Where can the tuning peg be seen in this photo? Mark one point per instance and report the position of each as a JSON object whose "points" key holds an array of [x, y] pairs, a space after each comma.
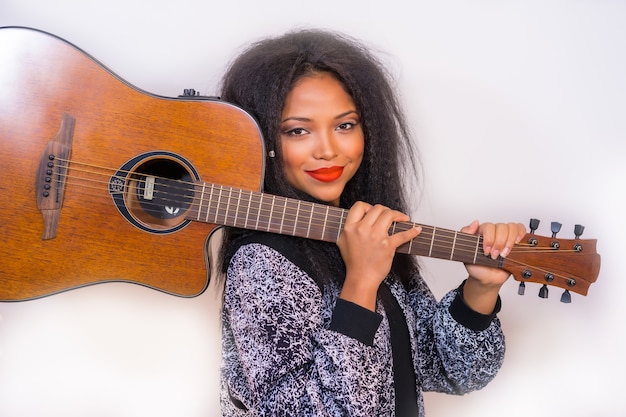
{"points": [[521, 289], [543, 291], [534, 224], [566, 297], [578, 230], [555, 227]]}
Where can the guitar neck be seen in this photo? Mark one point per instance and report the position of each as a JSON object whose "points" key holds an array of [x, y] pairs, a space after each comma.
{"points": [[270, 213]]}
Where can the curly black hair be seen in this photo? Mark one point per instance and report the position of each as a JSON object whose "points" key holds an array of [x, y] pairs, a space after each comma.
{"points": [[259, 80]]}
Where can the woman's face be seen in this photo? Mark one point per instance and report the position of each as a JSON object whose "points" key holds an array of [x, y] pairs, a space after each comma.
{"points": [[321, 137]]}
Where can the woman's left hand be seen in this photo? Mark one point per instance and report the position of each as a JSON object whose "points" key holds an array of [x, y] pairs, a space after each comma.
{"points": [[481, 288]]}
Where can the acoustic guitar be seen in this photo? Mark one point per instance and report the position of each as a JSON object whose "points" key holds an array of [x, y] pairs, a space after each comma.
{"points": [[104, 182]]}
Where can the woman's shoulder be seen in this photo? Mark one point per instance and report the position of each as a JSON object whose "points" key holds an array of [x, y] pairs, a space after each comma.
{"points": [[267, 267], [283, 244]]}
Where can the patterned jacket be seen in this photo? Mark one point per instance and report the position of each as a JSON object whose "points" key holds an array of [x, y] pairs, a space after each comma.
{"points": [[284, 355]]}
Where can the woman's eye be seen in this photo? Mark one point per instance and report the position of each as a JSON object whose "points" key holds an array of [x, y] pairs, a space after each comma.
{"points": [[298, 131], [345, 126]]}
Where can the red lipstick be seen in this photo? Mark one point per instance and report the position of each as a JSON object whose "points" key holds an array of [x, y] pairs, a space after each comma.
{"points": [[326, 174]]}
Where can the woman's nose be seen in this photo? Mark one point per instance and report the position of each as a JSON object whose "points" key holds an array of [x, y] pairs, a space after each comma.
{"points": [[325, 148]]}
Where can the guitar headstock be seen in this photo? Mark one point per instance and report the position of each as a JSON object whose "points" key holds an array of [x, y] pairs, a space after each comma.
{"points": [[570, 264]]}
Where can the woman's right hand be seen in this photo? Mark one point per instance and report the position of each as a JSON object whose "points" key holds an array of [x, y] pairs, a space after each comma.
{"points": [[368, 250]]}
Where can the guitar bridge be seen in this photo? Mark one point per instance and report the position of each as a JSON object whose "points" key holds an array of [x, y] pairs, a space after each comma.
{"points": [[51, 175]]}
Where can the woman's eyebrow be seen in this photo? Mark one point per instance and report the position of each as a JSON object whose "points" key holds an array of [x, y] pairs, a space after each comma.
{"points": [[306, 119]]}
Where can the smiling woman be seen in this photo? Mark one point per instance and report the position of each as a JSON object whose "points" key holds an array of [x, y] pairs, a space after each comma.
{"points": [[321, 137], [311, 328], [535, 88]]}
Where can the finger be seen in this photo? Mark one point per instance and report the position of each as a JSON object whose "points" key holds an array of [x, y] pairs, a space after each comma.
{"points": [[405, 236], [521, 232], [393, 216], [357, 211], [471, 228], [516, 232], [503, 239], [488, 231], [383, 217]]}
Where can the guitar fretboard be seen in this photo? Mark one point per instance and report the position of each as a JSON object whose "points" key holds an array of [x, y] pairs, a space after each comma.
{"points": [[251, 210]]}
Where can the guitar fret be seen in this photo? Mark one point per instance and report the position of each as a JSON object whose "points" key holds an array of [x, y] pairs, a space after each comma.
{"points": [[200, 202], [219, 202], [208, 210], [269, 223], [410, 248], [476, 249], [308, 230], [204, 186], [325, 221], [432, 242], [295, 222], [282, 221], [453, 245], [258, 217], [230, 192], [341, 219], [243, 208], [245, 224], [238, 197]]}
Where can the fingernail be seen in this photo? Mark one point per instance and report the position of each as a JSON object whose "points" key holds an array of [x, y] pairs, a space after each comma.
{"points": [[505, 252], [494, 254]]}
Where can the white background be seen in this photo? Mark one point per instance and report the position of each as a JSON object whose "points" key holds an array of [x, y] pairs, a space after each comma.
{"points": [[519, 110]]}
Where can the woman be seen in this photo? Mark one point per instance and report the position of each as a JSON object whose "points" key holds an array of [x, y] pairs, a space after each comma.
{"points": [[348, 329]]}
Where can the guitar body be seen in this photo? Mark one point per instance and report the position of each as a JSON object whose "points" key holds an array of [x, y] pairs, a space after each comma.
{"points": [[77, 234]]}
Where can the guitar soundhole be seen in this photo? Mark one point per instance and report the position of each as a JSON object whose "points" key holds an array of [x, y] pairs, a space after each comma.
{"points": [[164, 189], [155, 191], [159, 193]]}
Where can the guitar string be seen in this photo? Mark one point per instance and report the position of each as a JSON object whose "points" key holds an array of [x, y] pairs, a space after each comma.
{"points": [[462, 241], [444, 233], [424, 238], [332, 223]]}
